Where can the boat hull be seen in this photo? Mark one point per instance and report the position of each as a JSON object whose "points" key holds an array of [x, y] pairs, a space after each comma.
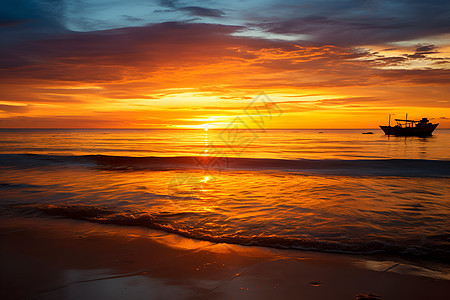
{"points": [[409, 131]]}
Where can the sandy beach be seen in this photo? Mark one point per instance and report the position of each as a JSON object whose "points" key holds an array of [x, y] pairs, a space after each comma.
{"points": [[66, 259]]}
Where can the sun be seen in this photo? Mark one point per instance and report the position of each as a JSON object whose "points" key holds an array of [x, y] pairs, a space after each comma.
{"points": [[205, 127]]}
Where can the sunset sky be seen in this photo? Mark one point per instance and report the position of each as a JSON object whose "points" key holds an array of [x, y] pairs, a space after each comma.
{"points": [[197, 64]]}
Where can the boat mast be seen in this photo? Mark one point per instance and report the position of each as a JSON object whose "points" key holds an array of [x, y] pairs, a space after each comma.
{"points": [[390, 119], [406, 120]]}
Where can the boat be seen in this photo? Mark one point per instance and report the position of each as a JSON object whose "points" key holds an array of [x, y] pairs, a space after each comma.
{"points": [[407, 127]]}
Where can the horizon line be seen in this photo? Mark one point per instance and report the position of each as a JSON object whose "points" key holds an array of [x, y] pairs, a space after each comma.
{"points": [[200, 129]]}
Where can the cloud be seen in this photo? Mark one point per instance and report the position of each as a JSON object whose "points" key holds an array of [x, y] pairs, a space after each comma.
{"points": [[391, 61], [426, 54], [132, 19], [422, 51], [148, 45], [143, 62], [198, 11], [419, 77], [203, 12], [22, 20], [14, 108], [351, 23], [426, 49], [58, 122], [116, 74]]}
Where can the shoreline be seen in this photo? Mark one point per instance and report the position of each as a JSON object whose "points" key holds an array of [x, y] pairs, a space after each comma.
{"points": [[66, 259]]}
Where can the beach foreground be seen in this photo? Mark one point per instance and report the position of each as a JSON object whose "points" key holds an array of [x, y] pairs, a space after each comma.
{"points": [[66, 259]]}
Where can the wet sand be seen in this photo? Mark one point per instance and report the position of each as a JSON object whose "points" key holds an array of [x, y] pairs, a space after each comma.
{"points": [[65, 259]]}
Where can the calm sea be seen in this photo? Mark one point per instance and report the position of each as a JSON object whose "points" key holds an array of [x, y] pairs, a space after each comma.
{"points": [[322, 190]]}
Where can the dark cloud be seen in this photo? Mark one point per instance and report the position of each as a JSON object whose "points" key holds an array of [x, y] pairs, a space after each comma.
{"points": [[24, 19], [203, 12], [422, 51], [191, 10], [426, 49], [390, 61], [14, 108], [131, 19], [417, 76], [416, 56], [343, 23], [168, 41], [352, 24], [441, 62]]}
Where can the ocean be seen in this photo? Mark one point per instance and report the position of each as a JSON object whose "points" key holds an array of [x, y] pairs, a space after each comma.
{"points": [[337, 191]]}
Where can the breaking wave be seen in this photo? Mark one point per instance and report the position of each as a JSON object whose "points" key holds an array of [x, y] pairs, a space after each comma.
{"points": [[436, 247], [378, 167]]}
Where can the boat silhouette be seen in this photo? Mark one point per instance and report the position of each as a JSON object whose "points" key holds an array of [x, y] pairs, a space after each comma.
{"points": [[407, 127]]}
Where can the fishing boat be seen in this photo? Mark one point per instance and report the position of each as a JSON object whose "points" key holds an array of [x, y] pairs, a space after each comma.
{"points": [[407, 127]]}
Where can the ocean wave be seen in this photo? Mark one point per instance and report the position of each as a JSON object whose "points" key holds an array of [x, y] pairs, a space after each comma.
{"points": [[433, 248], [379, 167]]}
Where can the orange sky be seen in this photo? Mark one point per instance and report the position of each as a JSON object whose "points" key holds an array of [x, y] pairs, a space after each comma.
{"points": [[189, 75]]}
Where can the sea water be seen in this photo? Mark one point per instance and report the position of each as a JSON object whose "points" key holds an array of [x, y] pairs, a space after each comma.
{"points": [[321, 190]]}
